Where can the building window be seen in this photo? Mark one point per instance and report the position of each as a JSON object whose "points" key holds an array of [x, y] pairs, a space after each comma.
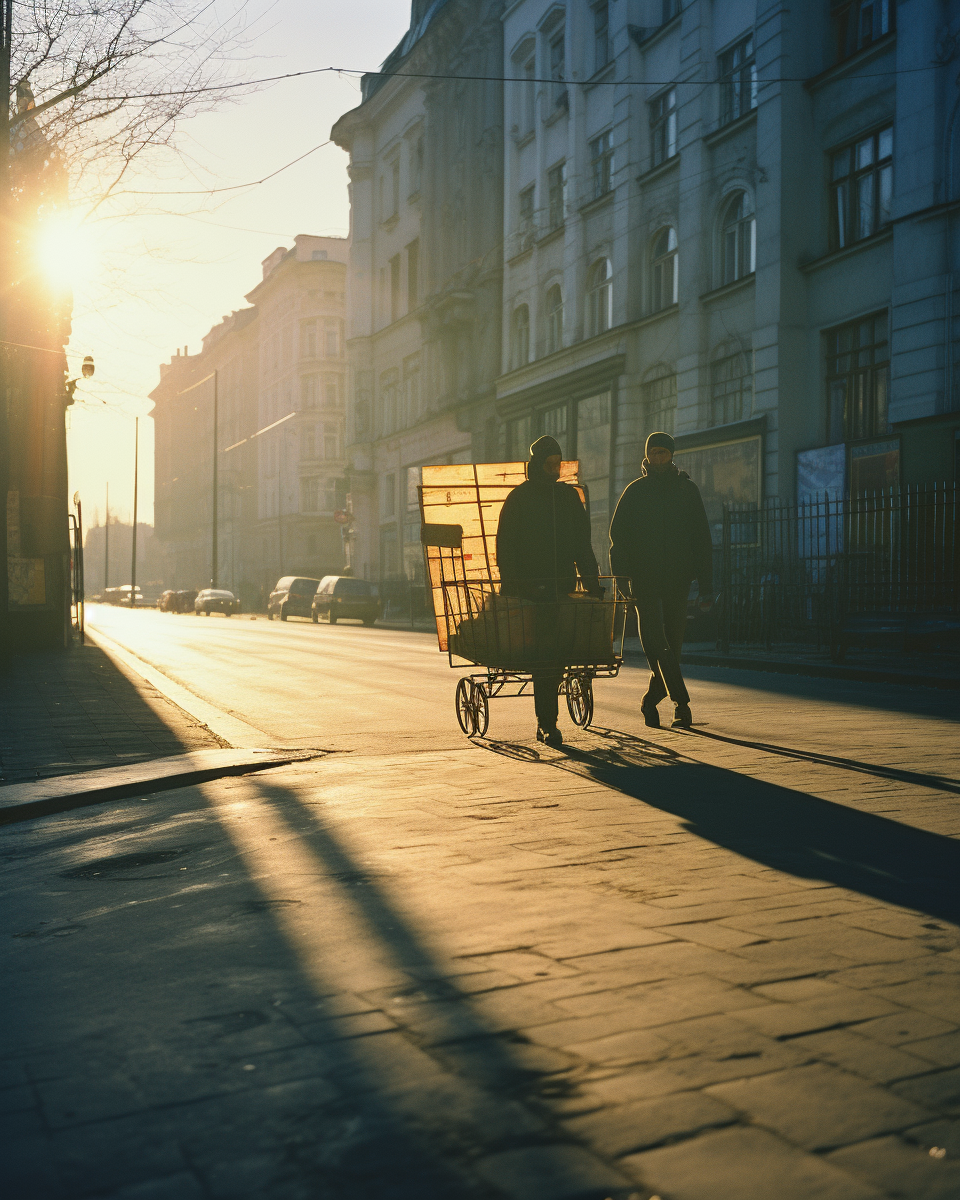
{"points": [[416, 167], [519, 437], [858, 23], [738, 81], [731, 389], [738, 239], [331, 440], [395, 287], [388, 496], [554, 312], [526, 90], [520, 337], [331, 337], [411, 388], [601, 163], [309, 391], [858, 366], [663, 126], [862, 188], [665, 270], [389, 406], [525, 229], [556, 195], [670, 9], [308, 442], [331, 392], [395, 187], [308, 340], [413, 275], [601, 34], [310, 494], [557, 57], [659, 396], [599, 297]]}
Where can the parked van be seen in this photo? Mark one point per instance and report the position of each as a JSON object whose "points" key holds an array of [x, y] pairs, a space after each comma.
{"points": [[292, 597]]}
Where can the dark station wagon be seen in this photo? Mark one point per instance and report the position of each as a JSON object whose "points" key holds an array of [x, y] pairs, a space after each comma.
{"points": [[342, 597]]}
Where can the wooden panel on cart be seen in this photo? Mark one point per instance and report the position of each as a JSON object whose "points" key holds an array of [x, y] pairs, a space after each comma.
{"points": [[469, 496]]}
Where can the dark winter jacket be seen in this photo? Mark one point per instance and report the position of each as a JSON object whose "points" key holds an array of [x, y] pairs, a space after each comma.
{"points": [[659, 536], [543, 540]]}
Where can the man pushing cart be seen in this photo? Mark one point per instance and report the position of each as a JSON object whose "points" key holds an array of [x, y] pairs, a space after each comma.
{"points": [[516, 586]]}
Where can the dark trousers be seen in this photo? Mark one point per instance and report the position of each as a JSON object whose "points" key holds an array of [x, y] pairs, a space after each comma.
{"points": [[547, 678], [663, 620]]}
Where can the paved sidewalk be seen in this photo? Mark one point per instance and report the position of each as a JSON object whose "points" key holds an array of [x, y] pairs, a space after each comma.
{"points": [[683, 965], [77, 711]]}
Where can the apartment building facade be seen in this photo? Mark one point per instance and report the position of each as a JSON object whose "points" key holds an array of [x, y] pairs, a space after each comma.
{"points": [[277, 373], [736, 221], [426, 161]]}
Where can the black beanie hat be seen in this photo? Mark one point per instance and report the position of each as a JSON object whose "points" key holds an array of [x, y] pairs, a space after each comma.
{"points": [[544, 446], [658, 439]]}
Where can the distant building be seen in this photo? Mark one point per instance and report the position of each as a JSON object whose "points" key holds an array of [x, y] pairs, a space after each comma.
{"points": [[280, 368], [426, 162], [737, 222], [98, 544]]}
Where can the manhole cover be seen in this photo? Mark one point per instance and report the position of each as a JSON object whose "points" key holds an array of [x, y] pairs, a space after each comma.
{"points": [[121, 864]]}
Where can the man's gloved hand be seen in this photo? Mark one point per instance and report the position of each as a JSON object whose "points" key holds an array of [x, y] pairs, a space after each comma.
{"points": [[705, 602]]}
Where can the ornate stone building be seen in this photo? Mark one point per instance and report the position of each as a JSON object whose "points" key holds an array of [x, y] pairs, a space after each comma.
{"points": [[426, 161]]}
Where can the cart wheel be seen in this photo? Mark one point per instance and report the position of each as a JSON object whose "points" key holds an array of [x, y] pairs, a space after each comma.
{"points": [[580, 700], [464, 707], [481, 710]]}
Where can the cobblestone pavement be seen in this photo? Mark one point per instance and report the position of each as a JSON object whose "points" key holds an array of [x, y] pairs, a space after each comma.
{"points": [[66, 712], [717, 965]]}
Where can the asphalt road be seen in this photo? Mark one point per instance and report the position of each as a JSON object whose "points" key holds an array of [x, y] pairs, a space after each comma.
{"points": [[377, 690]]}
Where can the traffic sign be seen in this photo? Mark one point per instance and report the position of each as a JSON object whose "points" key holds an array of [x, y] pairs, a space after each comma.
{"points": [[342, 517]]}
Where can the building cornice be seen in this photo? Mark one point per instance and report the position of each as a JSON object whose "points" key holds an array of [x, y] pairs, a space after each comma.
{"points": [[835, 256]]}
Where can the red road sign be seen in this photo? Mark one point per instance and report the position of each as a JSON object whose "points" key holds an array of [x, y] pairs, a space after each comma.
{"points": [[342, 517]]}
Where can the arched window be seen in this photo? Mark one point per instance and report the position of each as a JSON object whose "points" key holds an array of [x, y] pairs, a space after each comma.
{"points": [[599, 297], [664, 275], [520, 337], [554, 311], [738, 239]]}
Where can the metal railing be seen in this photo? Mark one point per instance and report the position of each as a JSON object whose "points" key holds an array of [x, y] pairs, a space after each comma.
{"points": [[801, 574]]}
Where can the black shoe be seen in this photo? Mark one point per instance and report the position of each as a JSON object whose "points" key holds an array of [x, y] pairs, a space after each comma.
{"points": [[683, 718], [651, 718], [551, 737]]}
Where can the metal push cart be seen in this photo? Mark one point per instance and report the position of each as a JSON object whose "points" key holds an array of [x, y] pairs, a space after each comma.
{"points": [[575, 638]]}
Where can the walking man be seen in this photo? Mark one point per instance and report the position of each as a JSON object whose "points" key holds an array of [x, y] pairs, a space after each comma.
{"points": [[543, 541], [660, 540]]}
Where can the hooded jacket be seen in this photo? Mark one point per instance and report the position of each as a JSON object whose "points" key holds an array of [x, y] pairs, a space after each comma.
{"points": [[660, 536], [543, 539]]}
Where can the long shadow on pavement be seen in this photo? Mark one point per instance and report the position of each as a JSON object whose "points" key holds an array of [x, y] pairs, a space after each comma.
{"points": [[788, 830]]}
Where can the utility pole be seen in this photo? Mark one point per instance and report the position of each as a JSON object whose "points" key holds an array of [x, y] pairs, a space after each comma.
{"points": [[106, 544], [133, 556], [214, 555], [6, 37]]}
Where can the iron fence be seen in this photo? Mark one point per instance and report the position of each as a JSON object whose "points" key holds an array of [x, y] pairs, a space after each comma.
{"points": [[830, 569]]}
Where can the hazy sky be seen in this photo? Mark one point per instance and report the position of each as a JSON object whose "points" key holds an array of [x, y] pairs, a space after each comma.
{"points": [[146, 284]]}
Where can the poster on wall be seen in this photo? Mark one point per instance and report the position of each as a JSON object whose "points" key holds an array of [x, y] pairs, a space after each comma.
{"points": [[821, 482], [726, 473], [822, 472], [875, 466]]}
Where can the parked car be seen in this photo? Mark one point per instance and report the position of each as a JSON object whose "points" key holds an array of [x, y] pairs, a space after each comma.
{"points": [[184, 600], [121, 596], [166, 601], [342, 596], [291, 597], [216, 600]]}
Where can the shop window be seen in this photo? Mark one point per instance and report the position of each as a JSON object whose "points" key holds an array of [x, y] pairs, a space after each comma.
{"points": [[861, 187], [858, 372]]}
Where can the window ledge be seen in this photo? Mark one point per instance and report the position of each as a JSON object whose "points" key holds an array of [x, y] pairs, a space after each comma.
{"points": [[853, 63], [651, 318], [597, 202], [560, 109], [551, 236], [524, 139], [520, 256], [825, 260], [413, 197], [603, 74], [644, 38], [731, 127], [390, 223], [663, 168], [725, 289]]}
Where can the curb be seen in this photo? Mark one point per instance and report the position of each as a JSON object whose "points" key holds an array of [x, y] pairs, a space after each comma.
{"points": [[61, 793]]}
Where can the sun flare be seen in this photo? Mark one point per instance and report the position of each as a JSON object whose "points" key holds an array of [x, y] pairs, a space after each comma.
{"points": [[67, 252]]}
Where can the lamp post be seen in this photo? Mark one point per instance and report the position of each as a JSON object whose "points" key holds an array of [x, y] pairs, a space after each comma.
{"points": [[133, 555]]}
